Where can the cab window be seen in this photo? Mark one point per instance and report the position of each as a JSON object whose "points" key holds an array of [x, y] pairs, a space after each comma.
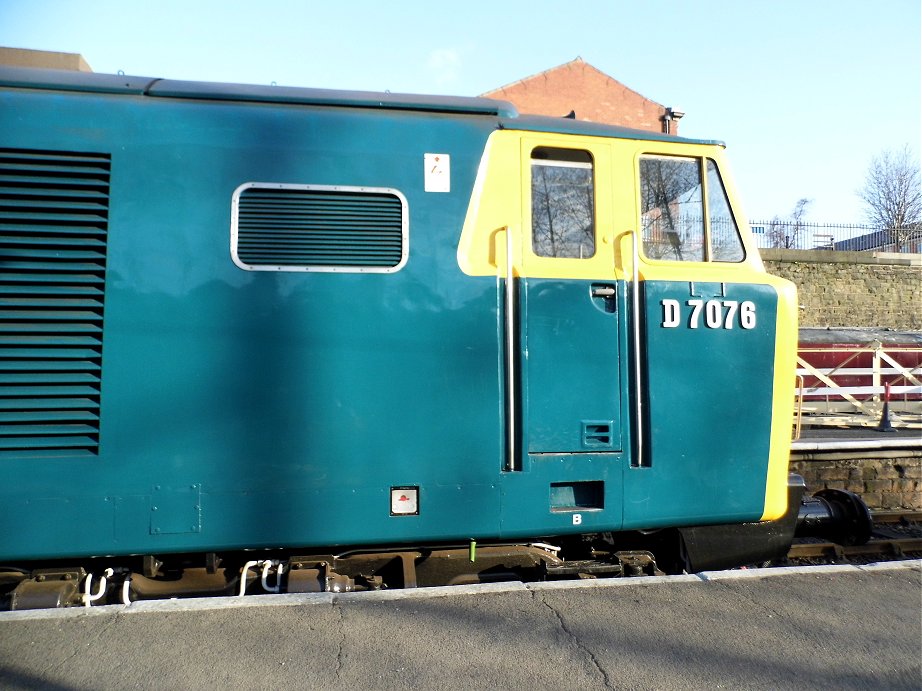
{"points": [[562, 203], [676, 223], [726, 245], [671, 208]]}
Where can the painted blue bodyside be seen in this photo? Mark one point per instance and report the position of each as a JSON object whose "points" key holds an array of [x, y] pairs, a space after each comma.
{"points": [[702, 439], [570, 346], [291, 402]]}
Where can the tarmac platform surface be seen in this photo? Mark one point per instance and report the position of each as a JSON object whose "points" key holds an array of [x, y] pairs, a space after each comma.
{"points": [[825, 627]]}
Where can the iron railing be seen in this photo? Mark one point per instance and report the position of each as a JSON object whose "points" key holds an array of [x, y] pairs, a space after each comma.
{"points": [[842, 237]]}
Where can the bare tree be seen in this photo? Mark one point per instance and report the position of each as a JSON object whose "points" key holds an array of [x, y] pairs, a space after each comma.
{"points": [[786, 232], [892, 195]]}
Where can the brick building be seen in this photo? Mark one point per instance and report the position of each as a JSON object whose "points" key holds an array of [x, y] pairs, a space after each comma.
{"points": [[24, 57], [589, 93]]}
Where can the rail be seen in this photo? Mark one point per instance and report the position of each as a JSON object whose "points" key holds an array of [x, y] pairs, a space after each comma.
{"points": [[896, 535], [897, 548]]}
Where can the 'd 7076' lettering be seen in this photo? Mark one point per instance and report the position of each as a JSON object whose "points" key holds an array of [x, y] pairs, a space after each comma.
{"points": [[714, 314]]}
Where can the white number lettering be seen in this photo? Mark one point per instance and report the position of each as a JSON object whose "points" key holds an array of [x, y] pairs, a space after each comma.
{"points": [[577, 518], [732, 306], [748, 315], [713, 313], [696, 306], [671, 316]]}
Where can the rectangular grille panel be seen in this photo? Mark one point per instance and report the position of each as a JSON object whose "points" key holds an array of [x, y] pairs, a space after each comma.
{"points": [[318, 228], [54, 209]]}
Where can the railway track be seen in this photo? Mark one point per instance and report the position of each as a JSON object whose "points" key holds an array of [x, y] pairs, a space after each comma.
{"points": [[896, 535]]}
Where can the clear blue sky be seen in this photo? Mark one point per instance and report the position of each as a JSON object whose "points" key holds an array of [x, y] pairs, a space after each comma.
{"points": [[804, 92]]}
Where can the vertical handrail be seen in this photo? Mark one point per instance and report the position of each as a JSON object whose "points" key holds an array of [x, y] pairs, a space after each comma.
{"points": [[637, 460], [800, 406], [511, 402]]}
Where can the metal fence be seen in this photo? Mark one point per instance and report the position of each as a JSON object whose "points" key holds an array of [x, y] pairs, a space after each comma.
{"points": [[842, 237]]}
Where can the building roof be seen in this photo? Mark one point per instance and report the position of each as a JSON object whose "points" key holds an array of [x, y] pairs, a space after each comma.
{"points": [[580, 87], [577, 65], [876, 240]]}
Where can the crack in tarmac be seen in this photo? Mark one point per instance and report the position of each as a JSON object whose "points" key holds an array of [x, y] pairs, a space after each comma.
{"points": [[576, 641], [342, 640], [55, 667], [728, 586]]}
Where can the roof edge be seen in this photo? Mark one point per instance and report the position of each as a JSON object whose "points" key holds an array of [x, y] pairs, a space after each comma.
{"points": [[62, 80], [548, 123]]}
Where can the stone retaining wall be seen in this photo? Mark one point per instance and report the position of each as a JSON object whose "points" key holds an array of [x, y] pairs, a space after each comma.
{"points": [[860, 289], [883, 483]]}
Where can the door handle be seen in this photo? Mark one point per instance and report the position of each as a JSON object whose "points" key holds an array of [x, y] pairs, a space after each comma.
{"points": [[604, 297]]}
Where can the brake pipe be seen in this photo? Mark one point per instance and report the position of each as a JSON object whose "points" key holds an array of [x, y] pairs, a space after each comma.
{"points": [[126, 590], [243, 576], [267, 567], [89, 596]]}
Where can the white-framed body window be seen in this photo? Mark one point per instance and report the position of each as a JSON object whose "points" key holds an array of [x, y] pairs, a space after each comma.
{"points": [[293, 227]]}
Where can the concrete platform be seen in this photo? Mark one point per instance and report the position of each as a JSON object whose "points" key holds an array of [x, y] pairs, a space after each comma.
{"points": [[902, 437], [841, 627], [861, 442]]}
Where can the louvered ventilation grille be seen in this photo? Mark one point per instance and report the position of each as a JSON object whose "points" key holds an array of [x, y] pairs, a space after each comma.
{"points": [[300, 228], [54, 210]]}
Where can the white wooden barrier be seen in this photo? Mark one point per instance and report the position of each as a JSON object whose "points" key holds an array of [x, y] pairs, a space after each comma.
{"points": [[834, 398]]}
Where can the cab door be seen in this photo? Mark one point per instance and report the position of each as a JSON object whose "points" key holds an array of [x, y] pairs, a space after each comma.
{"points": [[570, 305]]}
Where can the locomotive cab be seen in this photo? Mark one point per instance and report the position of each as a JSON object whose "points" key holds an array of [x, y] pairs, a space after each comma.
{"points": [[649, 357]]}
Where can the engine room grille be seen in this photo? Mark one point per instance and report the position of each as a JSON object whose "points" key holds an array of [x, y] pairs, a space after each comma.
{"points": [[54, 209], [277, 227]]}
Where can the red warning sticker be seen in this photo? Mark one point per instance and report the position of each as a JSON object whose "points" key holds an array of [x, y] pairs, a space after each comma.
{"points": [[404, 501]]}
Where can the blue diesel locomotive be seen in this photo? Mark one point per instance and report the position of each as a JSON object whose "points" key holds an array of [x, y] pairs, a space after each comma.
{"points": [[280, 339]]}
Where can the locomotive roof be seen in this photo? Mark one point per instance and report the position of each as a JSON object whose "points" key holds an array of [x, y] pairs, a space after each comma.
{"points": [[58, 80], [509, 117]]}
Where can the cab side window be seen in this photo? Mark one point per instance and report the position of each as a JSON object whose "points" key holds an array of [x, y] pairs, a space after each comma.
{"points": [[676, 223], [671, 208], [562, 203], [726, 245]]}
